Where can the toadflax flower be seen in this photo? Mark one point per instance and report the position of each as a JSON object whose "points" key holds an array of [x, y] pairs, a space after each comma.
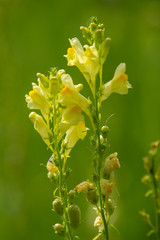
{"points": [[37, 100], [73, 134], [119, 83], [85, 59], [70, 95]]}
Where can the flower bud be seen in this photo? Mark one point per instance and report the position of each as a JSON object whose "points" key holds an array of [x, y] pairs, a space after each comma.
{"points": [[92, 196], [106, 186], [51, 167], [54, 85], [86, 34], [59, 229], [58, 206], [104, 49], [43, 79], [93, 26], [99, 36], [110, 208], [74, 215], [111, 163], [105, 130], [146, 180], [147, 163], [71, 196]]}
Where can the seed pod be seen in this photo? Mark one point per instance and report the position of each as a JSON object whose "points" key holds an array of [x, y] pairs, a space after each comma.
{"points": [[105, 130], [59, 229], [58, 206], [92, 196], [74, 215], [110, 207]]}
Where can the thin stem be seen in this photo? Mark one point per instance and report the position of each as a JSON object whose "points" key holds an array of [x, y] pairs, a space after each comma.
{"points": [[100, 158]]}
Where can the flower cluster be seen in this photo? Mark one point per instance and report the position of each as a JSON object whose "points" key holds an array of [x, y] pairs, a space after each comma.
{"points": [[61, 123], [61, 106]]}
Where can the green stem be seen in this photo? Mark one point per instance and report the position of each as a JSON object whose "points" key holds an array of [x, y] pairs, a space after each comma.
{"points": [[100, 158], [157, 214]]}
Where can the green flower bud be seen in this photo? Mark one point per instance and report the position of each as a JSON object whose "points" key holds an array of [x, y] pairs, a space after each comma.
{"points": [[147, 180], [58, 206], [99, 36], [92, 196], [93, 26], [110, 207], [86, 34], [71, 196], [54, 85], [59, 229], [74, 215], [43, 79], [105, 130], [104, 49], [93, 142]]}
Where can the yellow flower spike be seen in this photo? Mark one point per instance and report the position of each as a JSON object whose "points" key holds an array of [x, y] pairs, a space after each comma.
{"points": [[119, 83], [70, 95], [41, 127], [73, 134]]}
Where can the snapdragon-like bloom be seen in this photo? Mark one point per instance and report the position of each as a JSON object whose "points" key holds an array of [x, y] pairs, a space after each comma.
{"points": [[37, 100], [85, 59], [70, 95], [119, 83], [73, 134]]}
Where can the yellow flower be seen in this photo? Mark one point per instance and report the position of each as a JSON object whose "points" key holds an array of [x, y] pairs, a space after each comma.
{"points": [[41, 127], [119, 83], [85, 186], [70, 95], [73, 134], [72, 115], [37, 100], [51, 167], [87, 61], [99, 223]]}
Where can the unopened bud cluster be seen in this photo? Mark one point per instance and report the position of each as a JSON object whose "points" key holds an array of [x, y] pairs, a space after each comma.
{"points": [[72, 210]]}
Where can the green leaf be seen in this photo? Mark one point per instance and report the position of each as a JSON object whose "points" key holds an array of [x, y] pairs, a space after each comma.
{"points": [[115, 228], [148, 193], [150, 232]]}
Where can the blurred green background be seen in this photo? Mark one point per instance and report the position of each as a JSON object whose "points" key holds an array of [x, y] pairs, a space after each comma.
{"points": [[33, 38]]}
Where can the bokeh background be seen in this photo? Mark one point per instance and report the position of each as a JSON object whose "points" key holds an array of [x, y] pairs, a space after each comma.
{"points": [[33, 38]]}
